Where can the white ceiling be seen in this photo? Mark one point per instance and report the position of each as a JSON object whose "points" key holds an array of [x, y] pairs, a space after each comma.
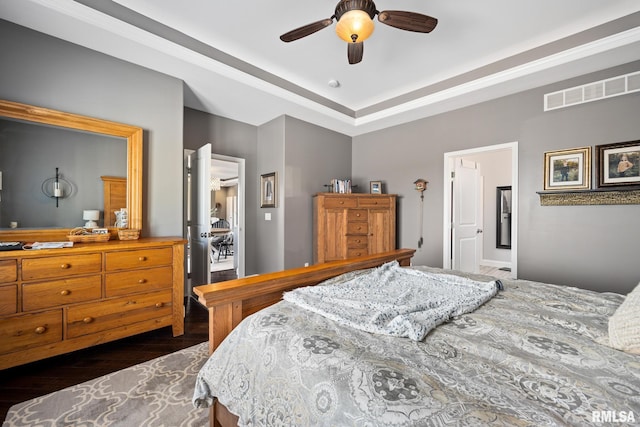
{"points": [[234, 65]]}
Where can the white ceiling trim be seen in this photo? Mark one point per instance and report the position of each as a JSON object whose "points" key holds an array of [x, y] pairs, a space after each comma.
{"points": [[580, 52]]}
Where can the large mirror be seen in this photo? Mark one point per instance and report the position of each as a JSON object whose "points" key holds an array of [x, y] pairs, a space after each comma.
{"points": [[503, 216], [86, 145]]}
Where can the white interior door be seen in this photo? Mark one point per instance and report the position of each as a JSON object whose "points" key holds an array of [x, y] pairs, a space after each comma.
{"points": [[200, 215], [467, 217]]}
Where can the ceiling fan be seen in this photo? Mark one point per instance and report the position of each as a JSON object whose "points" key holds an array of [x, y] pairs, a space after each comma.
{"points": [[355, 24]]}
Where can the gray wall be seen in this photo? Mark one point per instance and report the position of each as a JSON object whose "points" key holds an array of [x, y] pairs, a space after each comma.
{"points": [[573, 245], [41, 70], [313, 155], [269, 239], [235, 139]]}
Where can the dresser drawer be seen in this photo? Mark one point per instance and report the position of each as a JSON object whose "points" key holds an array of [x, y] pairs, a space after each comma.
{"points": [[357, 242], [110, 314], [355, 215], [374, 202], [144, 280], [138, 259], [340, 202], [60, 266], [36, 296], [8, 299], [8, 270], [353, 253], [25, 331], [357, 228]]}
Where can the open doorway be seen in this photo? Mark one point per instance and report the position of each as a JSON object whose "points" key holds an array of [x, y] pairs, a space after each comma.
{"points": [[497, 166], [214, 207]]}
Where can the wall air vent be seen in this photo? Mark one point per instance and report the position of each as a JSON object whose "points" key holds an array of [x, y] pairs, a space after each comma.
{"points": [[620, 85]]}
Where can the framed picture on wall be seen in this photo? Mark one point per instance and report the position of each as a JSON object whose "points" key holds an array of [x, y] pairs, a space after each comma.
{"points": [[375, 187], [618, 164], [268, 190], [568, 169]]}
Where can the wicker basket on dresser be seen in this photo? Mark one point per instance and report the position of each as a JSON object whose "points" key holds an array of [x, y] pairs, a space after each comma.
{"points": [[54, 301]]}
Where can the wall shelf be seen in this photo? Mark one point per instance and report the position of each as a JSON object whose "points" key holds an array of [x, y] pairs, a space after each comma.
{"points": [[601, 196]]}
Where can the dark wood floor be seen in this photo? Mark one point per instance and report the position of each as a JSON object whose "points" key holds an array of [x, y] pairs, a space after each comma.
{"points": [[46, 376]]}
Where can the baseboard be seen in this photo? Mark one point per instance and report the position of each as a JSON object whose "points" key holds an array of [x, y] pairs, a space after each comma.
{"points": [[496, 264]]}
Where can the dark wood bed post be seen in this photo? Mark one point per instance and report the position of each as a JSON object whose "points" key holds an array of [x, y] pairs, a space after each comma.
{"points": [[231, 301]]}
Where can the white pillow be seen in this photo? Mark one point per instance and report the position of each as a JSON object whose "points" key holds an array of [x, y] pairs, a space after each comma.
{"points": [[624, 325]]}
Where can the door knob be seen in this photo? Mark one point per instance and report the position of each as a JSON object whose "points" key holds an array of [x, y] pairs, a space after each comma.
{"points": [[479, 230]]}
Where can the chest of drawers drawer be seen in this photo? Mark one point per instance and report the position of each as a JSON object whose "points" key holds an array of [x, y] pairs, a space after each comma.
{"points": [[8, 271], [26, 331], [374, 202], [60, 266], [104, 315], [340, 202], [8, 299], [357, 215], [138, 259], [143, 280], [357, 228], [36, 296]]}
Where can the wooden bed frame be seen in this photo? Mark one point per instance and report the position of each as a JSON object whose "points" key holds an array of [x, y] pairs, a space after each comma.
{"points": [[231, 301]]}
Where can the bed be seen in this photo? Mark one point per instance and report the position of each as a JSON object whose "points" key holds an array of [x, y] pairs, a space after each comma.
{"points": [[531, 354]]}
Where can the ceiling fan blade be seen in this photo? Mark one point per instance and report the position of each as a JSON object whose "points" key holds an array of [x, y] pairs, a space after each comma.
{"points": [[354, 52], [409, 21], [306, 30]]}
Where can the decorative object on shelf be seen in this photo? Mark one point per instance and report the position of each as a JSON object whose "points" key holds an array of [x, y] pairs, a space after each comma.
{"points": [[503, 217], [57, 187], [618, 164], [421, 185], [128, 234], [375, 187], [122, 220], [83, 235], [268, 188], [340, 186], [91, 216], [568, 169]]}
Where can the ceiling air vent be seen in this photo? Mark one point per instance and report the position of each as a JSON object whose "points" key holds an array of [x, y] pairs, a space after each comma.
{"points": [[620, 85]]}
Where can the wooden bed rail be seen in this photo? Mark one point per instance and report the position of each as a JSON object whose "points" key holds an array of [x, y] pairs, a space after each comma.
{"points": [[231, 301]]}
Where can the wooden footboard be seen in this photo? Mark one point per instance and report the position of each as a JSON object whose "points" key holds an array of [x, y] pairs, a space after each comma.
{"points": [[231, 301]]}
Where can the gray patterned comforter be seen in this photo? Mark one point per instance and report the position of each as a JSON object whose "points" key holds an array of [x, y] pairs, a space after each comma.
{"points": [[528, 357]]}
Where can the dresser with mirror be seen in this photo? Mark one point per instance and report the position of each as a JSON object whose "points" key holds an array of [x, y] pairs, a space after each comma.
{"points": [[57, 300]]}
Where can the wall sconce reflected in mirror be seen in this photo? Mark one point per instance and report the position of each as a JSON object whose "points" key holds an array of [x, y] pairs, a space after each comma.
{"points": [[57, 187], [91, 216]]}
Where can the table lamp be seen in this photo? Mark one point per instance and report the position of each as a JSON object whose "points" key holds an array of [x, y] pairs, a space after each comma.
{"points": [[91, 216]]}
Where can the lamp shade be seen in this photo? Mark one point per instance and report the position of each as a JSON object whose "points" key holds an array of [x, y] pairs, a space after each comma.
{"points": [[355, 26], [91, 216]]}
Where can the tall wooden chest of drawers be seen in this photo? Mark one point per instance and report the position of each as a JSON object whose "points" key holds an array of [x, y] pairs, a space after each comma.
{"points": [[352, 225], [54, 301]]}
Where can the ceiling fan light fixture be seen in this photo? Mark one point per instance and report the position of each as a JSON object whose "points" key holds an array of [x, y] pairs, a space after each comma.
{"points": [[355, 26]]}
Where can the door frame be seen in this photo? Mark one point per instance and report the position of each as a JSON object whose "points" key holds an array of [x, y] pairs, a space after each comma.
{"points": [[240, 238], [448, 169]]}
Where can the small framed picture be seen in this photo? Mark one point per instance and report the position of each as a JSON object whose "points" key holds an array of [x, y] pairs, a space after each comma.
{"points": [[375, 187], [268, 190], [568, 169], [618, 164]]}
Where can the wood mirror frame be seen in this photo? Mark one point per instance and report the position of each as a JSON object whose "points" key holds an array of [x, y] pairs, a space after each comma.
{"points": [[133, 136]]}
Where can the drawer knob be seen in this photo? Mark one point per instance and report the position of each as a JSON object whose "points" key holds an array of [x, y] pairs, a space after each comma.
{"points": [[40, 330], [159, 304], [87, 319], [358, 214], [341, 202], [141, 281], [65, 266], [142, 258], [65, 292]]}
